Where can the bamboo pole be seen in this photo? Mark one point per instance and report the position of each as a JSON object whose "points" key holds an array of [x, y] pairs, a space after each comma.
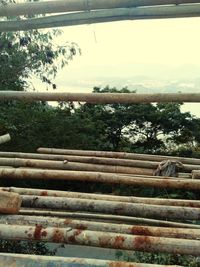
{"points": [[130, 199], [103, 98], [4, 138], [112, 207], [50, 164], [58, 6], [28, 173], [193, 234], [7, 260], [109, 218], [100, 239], [106, 15], [94, 160], [118, 155]]}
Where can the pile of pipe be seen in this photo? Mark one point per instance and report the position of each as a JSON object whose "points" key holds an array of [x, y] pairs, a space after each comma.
{"points": [[100, 220]]}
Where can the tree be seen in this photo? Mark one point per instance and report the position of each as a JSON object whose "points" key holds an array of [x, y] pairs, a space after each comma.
{"points": [[31, 53]]}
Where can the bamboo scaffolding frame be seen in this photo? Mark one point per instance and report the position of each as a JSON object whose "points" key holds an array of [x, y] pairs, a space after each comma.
{"points": [[100, 239], [103, 98], [61, 6], [183, 233], [28, 173], [129, 199], [111, 207]]}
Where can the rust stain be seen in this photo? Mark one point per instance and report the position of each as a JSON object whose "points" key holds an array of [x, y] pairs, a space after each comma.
{"points": [[58, 235], [81, 227], [104, 241], [141, 242], [68, 221], [37, 232], [140, 230], [44, 233], [119, 241], [72, 238], [44, 193]]}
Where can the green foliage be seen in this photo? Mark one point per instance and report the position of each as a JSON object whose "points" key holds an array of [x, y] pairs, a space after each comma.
{"points": [[24, 55], [158, 258]]}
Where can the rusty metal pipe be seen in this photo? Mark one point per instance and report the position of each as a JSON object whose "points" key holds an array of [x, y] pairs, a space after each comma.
{"points": [[122, 155], [103, 98], [50, 164], [108, 218], [101, 206], [100, 239], [195, 174], [23, 173], [19, 260], [101, 226], [130, 199], [93, 160]]}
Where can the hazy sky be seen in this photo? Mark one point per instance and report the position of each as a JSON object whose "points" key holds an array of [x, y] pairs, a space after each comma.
{"points": [[160, 51]]}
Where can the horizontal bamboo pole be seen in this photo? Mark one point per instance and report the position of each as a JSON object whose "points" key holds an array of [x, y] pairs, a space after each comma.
{"points": [[22, 173], [94, 160], [108, 218], [130, 199], [7, 260], [102, 16], [112, 207], [193, 234], [119, 155], [4, 138], [195, 174], [58, 6], [58, 165], [97, 98], [100, 239]]}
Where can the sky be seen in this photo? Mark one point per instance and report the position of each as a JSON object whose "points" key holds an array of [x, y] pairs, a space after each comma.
{"points": [[157, 55]]}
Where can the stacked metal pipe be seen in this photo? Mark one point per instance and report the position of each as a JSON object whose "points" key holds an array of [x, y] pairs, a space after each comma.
{"points": [[99, 220]]}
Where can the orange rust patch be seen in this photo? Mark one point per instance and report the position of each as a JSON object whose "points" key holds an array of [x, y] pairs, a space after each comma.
{"points": [[67, 221], [119, 241], [37, 232], [121, 264], [44, 193], [140, 230], [141, 242], [58, 236]]}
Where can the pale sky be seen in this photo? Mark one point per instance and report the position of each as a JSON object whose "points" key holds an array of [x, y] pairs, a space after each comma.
{"points": [[155, 53]]}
